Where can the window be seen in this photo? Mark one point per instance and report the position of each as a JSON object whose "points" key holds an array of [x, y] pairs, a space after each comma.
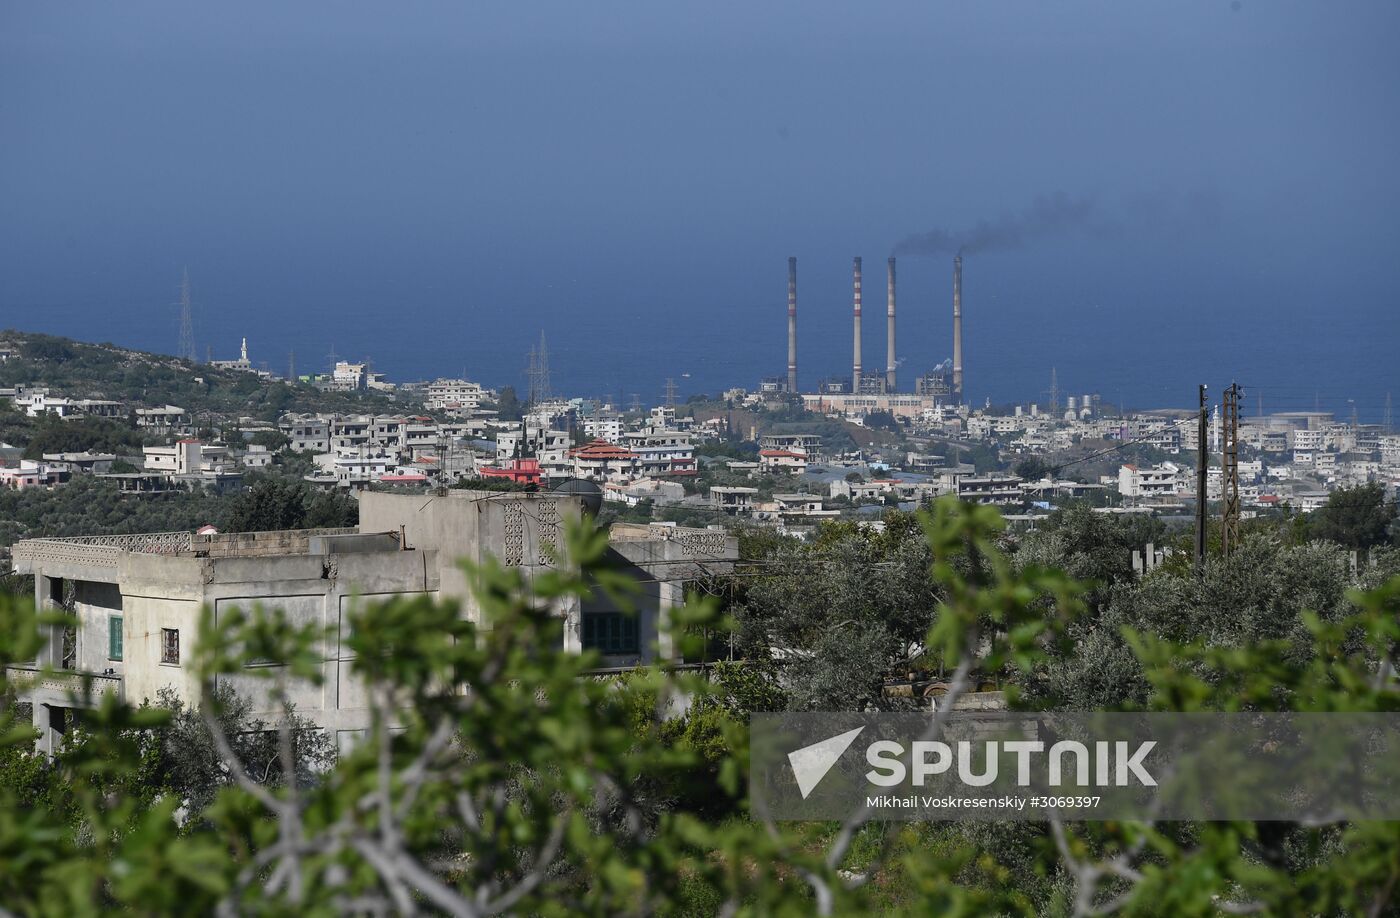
{"points": [[114, 637], [610, 632], [170, 645]]}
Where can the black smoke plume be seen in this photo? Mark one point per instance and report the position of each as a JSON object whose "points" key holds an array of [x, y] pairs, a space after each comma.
{"points": [[1050, 215]]}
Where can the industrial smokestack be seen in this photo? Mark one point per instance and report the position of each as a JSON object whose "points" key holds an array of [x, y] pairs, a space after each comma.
{"points": [[957, 330], [855, 384], [792, 326], [889, 332]]}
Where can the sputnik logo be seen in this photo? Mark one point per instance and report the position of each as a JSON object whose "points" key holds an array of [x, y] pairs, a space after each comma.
{"points": [[811, 763]]}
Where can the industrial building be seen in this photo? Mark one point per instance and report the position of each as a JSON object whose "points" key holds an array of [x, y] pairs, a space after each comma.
{"points": [[934, 385]]}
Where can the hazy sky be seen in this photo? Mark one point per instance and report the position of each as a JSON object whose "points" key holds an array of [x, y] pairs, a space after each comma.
{"points": [[431, 184]]}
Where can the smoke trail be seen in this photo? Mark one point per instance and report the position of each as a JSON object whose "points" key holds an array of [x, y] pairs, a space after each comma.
{"points": [[1051, 215]]}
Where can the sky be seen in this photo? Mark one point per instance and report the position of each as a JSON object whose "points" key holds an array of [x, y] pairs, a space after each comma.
{"points": [[432, 185]]}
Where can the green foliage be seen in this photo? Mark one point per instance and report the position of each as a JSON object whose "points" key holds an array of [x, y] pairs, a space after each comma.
{"points": [[493, 484], [728, 449], [80, 370], [91, 506], [273, 503], [274, 440], [498, 775], [1358, 518], [508, 406], [1032, 468], [882, 420], [52, 434], [983, 457]]}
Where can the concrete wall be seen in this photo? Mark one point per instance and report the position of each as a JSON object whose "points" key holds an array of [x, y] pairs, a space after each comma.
{"points": [[168, 592], [95, 604], [518, 529]]}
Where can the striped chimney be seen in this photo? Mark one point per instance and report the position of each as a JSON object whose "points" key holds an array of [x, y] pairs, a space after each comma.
{"points": [[792, 326], [855, 385], [957, 330], [889, 331]]}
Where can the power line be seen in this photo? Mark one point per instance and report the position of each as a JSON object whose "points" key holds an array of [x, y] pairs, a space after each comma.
{"points": [[1123, 445]]}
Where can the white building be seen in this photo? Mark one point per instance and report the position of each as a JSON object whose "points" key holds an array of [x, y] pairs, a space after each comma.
{"points": [[782, 460], [454, 396], [1165, 481]]}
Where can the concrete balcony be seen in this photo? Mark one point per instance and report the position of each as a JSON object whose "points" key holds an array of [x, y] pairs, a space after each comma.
{"points": [[62, 687]]}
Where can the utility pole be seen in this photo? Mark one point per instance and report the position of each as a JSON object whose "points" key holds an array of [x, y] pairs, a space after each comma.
{"points": [[1202, 458], [1230, 467]]}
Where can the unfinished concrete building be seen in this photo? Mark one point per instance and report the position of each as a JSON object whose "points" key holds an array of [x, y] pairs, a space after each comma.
{"points": [[138, 598]]}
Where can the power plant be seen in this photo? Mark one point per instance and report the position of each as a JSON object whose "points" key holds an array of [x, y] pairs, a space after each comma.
{"points": [[934, 383]]}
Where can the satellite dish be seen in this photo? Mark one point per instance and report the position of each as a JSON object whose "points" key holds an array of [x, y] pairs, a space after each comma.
{"points": [[588, 491]]}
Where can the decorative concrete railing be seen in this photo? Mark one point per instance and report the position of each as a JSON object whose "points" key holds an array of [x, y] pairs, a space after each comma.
{"points": [[99, 551], [104, 551], [48, 685]]}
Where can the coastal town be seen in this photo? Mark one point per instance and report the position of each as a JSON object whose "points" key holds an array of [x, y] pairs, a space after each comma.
{"points": [[757, 455]]}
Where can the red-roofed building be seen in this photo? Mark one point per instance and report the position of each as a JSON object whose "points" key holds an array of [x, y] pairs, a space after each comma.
{"points": [[599, 460], [520, 471], [782, 460]]}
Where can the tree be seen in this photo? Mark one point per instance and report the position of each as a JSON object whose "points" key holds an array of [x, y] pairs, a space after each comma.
{"points": [[508, 407], [52, 434], [882, 420], [1032, 468], [501, 775], [1358, 518], [274, 440], [275, 502]]}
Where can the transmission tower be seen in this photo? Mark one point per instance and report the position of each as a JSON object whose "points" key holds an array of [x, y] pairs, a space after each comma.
{"points": [[670, 393], [636, 403], [292, 366], [186, 319], [544, 368], [1230, 472], [1054, 394], [537, 372], [1389, 421]]}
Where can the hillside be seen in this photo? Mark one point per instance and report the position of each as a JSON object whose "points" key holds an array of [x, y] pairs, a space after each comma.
{"points": [[79, 370]]}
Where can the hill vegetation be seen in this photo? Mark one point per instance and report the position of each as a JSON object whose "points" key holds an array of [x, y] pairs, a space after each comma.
{"points": [[105, 371]]}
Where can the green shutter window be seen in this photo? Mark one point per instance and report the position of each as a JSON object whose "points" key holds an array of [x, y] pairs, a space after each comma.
{"points": [[114, 637]]}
